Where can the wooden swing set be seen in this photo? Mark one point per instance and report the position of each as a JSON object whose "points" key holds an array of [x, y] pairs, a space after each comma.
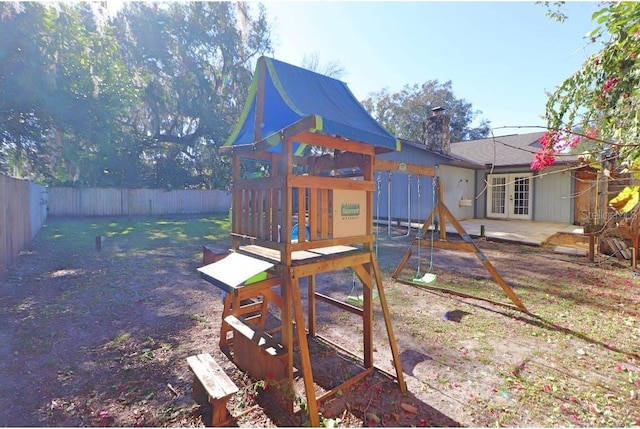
{"points": [[444, 215]]}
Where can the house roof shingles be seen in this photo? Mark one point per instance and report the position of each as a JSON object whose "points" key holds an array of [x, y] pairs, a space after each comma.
{"points": [[450, 159], [517, 149], [504, 151]]}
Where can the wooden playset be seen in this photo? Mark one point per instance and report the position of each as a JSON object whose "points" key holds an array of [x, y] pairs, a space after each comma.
{"points": [[308, 212]]}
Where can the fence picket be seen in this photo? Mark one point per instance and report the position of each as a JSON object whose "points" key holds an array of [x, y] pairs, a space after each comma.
{"points": [[24, 207], [135, 202], [23, 210]]}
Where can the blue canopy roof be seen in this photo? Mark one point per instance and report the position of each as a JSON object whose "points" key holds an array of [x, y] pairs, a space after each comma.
{"points": [[284, 95]]}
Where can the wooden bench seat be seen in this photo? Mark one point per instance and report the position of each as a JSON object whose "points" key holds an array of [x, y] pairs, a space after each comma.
{"points": [[211, 385]]}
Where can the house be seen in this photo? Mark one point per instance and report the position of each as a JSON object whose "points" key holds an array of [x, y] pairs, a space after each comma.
{"points": [[487, 178], [507, 188]]}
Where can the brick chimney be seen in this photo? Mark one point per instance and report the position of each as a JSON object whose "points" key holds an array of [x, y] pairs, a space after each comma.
{"points": [[438, 132]]}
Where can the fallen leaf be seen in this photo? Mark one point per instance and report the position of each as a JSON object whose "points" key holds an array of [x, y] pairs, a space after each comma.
{"points": [[409, 408]]}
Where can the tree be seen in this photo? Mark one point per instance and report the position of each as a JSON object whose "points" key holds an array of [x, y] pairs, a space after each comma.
{"points": [[404, 114], [599, 105], [194, 64], [332, 69], [24, 122], [142, 99], [62, 90]]}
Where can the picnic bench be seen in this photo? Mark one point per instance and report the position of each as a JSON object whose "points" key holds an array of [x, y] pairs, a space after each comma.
{"points": [[211, 385]]}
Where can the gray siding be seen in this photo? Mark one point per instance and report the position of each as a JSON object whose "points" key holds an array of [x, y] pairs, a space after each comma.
{"points": [[553, 200]]}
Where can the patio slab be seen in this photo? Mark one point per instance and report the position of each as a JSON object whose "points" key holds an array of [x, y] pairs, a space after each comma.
{"points": [[518, 231]]}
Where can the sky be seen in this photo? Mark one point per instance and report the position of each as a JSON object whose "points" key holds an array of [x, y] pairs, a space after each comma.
{"points": [[502, 57]]}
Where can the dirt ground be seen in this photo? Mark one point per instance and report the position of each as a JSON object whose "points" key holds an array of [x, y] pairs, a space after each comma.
{"points": [[100, 338]]}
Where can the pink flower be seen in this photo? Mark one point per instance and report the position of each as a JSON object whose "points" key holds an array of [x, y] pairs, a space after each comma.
{"points": [[591, 134], [104, 414], [637, 383], [546, 141], [574, 141], [610, 83], [542, 160]]}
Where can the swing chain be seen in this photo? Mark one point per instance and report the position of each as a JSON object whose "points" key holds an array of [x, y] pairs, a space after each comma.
{"points": [[433, 232], [433, 206], [378, 188]]}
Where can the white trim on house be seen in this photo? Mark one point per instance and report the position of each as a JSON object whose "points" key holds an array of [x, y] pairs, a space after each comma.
{"points": [[509, 196]]}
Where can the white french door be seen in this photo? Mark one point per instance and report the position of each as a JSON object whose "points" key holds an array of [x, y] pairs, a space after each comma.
{"points": [[509, 196]]}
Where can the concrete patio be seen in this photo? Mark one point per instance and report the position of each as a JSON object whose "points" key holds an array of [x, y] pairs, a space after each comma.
{"points": [[519, 231], [516, 231]]}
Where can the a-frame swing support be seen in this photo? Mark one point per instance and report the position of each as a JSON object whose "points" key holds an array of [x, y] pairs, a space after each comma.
{"points": [[444, 215]]}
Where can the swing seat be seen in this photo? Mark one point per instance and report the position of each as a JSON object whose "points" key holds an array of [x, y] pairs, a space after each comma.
{"points": [[427, 278], [359, 299]]}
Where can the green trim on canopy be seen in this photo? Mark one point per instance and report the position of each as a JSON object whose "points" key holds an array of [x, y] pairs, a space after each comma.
{"points": [[281, 90], [253, 90], [318, 127]]}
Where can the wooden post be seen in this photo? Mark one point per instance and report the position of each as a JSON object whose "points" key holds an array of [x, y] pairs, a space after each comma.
{"points": [[387, 321], [305, 357], [311, 293], [441, 213], [592, 247], [367, 285]]}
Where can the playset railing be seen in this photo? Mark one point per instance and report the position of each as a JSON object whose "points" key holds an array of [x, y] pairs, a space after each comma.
{"points": [[307, 216]]}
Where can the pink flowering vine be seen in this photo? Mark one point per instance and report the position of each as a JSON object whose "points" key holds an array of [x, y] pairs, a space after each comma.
{"points": [[609, 84], [552, 143], [542, 159]]}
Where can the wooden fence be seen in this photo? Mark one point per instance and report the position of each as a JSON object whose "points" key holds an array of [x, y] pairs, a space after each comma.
{"points": [[23, 210], [135, 202]]}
